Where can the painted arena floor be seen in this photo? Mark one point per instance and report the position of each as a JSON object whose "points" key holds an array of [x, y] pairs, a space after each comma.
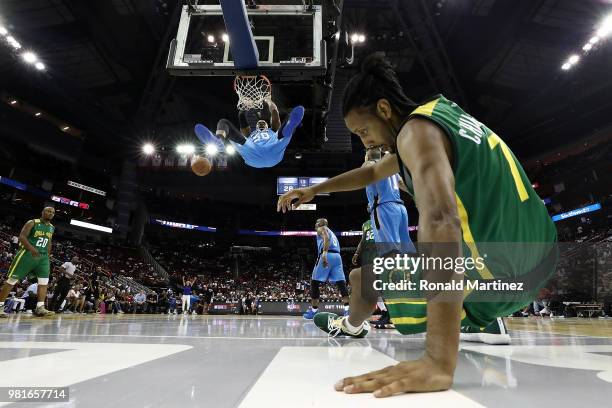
{"points": [[255, 362]]}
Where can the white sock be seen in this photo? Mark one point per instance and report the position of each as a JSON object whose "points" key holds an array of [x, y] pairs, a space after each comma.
{"points": [[40, 304], [350, 328], [1, 304], [346, 307]]}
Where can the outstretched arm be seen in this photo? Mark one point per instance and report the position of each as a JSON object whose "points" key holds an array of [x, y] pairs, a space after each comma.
{"points": [[276, 122], [352, 180], [427, 153], [245, 129]]}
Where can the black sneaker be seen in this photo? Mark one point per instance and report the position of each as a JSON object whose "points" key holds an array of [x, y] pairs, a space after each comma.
{"points": [[333, 325]]}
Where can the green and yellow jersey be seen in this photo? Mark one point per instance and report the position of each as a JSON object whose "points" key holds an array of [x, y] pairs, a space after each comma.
{"points": [[503, 221], [495, 200], [40, 235]]}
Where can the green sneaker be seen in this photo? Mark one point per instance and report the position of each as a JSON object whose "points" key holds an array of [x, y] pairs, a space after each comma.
{"points": [[333, 325], [494, 333]]}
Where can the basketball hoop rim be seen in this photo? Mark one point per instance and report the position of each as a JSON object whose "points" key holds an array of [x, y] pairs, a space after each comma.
{"points": [[250, 77]]}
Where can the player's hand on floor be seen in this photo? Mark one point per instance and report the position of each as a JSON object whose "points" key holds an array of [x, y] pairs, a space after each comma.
{"points": [[422, 375], [302, 195]]}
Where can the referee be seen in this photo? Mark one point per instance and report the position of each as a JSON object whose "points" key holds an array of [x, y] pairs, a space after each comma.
{"points": [[63, 283]]}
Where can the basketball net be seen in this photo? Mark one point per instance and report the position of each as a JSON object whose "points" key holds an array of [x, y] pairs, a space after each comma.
{"points": [[252, 91]]}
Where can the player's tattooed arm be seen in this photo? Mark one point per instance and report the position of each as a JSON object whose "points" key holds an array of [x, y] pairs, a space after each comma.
{"points": [[23, 238]]}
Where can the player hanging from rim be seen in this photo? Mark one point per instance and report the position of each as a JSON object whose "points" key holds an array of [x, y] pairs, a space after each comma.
{"points": [[327, 268], [469, 189], [262, 139], [389, 225], [32, 257]]}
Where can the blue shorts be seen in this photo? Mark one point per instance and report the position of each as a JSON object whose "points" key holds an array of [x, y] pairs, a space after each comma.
{"points": [[334, 271], [393, 231]]}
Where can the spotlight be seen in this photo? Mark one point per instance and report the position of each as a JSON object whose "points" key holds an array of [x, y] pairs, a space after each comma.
{"points": [[14, 102], [185, 149], [573, 59], [606, 27], [3, 31], [594, 40], [148, 149], [66, 128], [354, 38], [361, 38], [11, 40], [230, 150], [37, 114], [566, 66], [587, 47], [29, 57], [40, 66], [211, 149], [225, 37], [210, 38], [298, 155]]}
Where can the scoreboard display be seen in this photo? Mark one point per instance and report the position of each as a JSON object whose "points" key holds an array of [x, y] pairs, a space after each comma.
{"points": [[286, 184]]}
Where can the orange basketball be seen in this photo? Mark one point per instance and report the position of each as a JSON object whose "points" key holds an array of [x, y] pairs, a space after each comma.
{"points": [[201, 166]]}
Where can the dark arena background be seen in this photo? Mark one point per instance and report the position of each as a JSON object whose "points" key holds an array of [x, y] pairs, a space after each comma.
{"points": [[174, 290]]}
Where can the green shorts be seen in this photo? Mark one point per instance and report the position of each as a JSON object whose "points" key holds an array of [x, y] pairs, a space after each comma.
{"points": [[409, 312], [24, 264]]}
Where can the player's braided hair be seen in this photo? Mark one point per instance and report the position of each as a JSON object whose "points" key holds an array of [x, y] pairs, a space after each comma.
{"points": [[377, 80]]}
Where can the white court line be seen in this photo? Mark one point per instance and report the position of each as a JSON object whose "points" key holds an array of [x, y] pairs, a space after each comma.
{"points": [[76, 362], [300, 377]]}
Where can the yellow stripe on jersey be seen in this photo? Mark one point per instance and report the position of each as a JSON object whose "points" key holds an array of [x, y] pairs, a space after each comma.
{"points": [[494, 141], [16, 262], [417, 320], [427, 109], [468, 238], [408, 320]]}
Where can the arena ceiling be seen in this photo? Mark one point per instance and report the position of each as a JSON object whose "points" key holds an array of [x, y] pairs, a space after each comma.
{"points": [[501, 59]]}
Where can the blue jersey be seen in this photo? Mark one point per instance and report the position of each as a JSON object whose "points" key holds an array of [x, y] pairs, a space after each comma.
{"points": [[387, 190], [262, 148], [334, 245]]}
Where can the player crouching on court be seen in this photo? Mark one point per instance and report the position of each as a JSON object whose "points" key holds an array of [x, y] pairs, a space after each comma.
{"points": [[32, 257], [469, 190], [262, 139]]}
